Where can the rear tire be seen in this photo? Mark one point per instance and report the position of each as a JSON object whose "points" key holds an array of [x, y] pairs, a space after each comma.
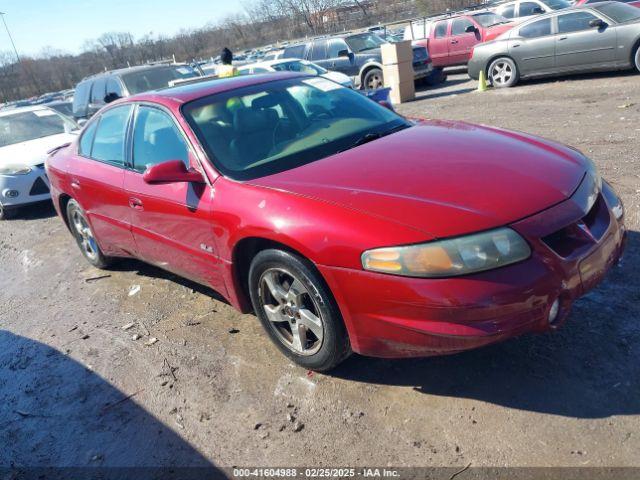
{"points": [[297, 310], [6, 214], [503, 73], [81, 231], [373, 79]]}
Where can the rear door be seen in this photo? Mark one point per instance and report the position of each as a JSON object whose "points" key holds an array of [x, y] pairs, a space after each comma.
{"points": [[462, 42], [318, 53], [579, 46], [439, 44], [170, 222], [97, 179], [533, 47]]}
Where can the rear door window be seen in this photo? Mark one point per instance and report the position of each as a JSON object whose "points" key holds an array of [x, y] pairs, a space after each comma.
{"points": [[110, 136], [318, 50], [294, 52], [156, 139], [98, 91], [114, 87], [440, 30], [536, 29]]}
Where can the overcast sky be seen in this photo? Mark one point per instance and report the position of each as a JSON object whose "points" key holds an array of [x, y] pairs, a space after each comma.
{"points": [[66, 24]]}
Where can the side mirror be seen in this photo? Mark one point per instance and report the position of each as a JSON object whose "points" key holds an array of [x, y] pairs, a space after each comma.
{"points": [[597, 23], [471, 29], [538, 10], [111, 97], [343, 53], [173, 171]]}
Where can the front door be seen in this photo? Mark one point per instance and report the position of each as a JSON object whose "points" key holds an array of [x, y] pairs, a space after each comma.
{"points": [[582, 46], [171, 222], [462, 42]]}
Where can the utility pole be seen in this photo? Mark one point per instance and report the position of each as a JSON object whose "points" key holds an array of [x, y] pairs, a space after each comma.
{"points": [[15, 50]]}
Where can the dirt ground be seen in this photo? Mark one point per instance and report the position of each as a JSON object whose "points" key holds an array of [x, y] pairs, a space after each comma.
{"points": [[76, 388]]}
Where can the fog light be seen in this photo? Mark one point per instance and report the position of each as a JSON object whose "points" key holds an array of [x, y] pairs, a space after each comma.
{"points": [[11, 193], [553, 311]]}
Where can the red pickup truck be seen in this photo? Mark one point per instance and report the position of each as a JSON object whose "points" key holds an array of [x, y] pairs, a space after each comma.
{"points": [[450, 40]]}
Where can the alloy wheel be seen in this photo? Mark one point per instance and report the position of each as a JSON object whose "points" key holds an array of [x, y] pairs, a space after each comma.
{"points": [[85, 235], [292, 311], [501, 73], [374, 80]]}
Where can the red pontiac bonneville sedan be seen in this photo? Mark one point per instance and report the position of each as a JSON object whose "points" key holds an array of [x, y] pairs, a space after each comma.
{"points": [[344, 226]]}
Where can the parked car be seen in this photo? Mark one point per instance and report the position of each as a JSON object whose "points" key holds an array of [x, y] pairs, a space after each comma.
{"points": [[26, 135], [272, 55], [602, 36], [342, 225], [521, 10], [296, 65], [450, 40], [96, 91], [356, 55], [633, 3]]}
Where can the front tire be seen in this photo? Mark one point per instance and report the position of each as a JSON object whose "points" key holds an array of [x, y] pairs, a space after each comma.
{"points": [[637, 58], [297, 310], [373, 79], [81, 231], [503, 73]]}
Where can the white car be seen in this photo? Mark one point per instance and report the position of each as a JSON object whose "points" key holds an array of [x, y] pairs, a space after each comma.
{"points": [[296, 65], [521, 10], [26, 135]]}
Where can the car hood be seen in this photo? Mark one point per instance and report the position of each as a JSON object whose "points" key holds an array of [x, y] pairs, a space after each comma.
{"points": [[33, 152], [338, 77], [442, 178]]}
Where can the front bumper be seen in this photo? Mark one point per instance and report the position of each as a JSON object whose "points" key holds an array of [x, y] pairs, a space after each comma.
{"points": [[20, 190], [474, 67], [391, 316], [422, 69]]}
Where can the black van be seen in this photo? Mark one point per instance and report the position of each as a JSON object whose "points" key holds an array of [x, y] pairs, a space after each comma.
{"points": [[94, 92]]}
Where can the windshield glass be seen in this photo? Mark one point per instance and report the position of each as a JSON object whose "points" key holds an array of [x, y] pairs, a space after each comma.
{"points": [[297, 66], [276, 126], [156, 78], [619, 12], [25, 126], [556, 4], [364, 41], [487, 19]]}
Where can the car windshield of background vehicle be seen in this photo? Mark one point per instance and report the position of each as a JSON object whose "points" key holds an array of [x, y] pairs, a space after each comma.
{"points": [[273, 127], [156, 78], [556, 4], [364, 42], [619, 12], [489, 19], [26, 126], [301, 67]]}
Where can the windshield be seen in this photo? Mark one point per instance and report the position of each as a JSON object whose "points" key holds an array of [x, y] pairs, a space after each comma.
{"points": [[619, 12], [557, 4], [25, 126], [156, 78], [489, 19], [297, 66], [272, 127], [364, 41]]}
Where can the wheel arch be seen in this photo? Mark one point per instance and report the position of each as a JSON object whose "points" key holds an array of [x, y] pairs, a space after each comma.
{"points": [[63, 201], [495, 57], [634, 50], [368, 67]]}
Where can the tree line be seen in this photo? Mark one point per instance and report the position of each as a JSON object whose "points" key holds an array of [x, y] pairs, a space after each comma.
{"points": [[262, 22]]}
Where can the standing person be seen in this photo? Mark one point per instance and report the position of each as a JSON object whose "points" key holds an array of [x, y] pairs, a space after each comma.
{"points": [[226, 69]]}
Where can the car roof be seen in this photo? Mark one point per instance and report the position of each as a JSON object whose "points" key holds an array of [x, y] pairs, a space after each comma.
{"points": [[138, 68], [31, 108], [198, 89]]}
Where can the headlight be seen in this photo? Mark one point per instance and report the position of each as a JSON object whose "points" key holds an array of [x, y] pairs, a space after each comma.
{"points": [[448, 258], [14, 170]]}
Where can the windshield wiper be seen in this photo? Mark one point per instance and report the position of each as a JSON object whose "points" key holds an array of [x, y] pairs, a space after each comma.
{"points": [[370, 137]]}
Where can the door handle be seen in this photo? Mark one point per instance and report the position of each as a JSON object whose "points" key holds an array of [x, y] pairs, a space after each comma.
{"points": [[516, 45], [563, 38], [135, 203], [75, 184], [453, 42]]}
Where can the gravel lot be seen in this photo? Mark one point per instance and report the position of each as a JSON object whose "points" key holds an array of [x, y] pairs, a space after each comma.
{"points": [[78, 389]]}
